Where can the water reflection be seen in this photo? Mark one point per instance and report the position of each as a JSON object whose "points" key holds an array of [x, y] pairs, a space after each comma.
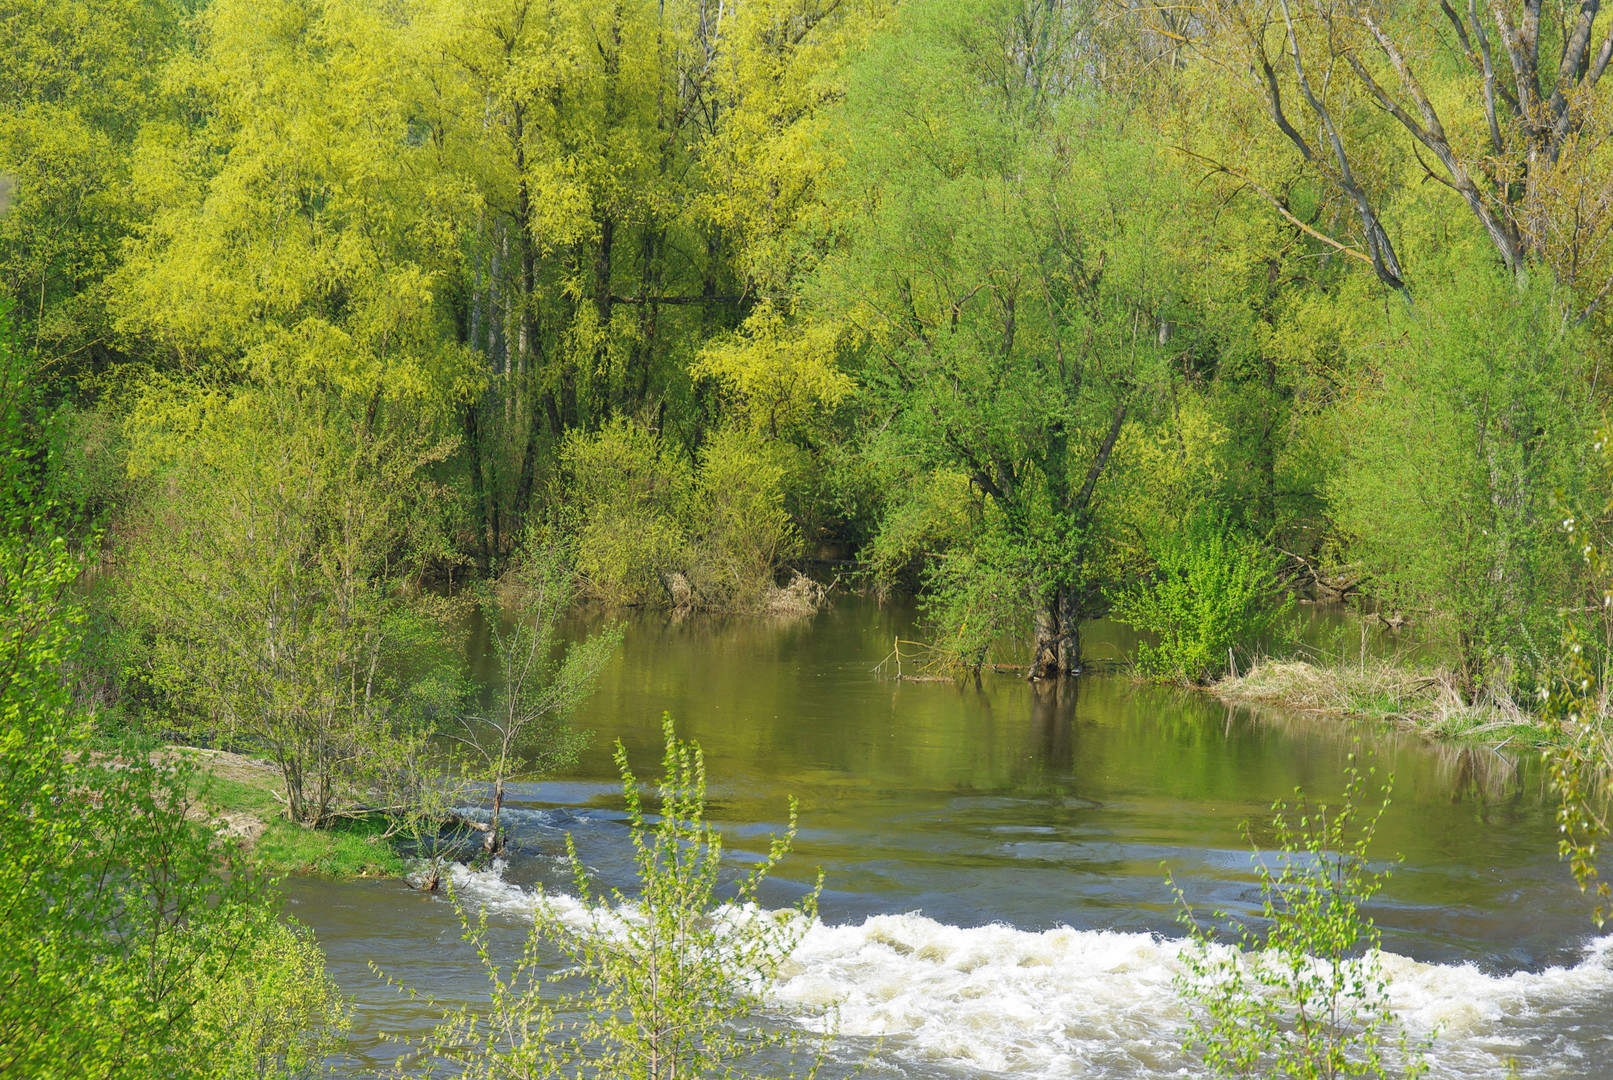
{"points": [[1033, 806]]}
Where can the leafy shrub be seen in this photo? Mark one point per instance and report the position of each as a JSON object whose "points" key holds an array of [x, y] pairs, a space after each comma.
{"points": [[741, 532], [1446, 483], [272, 579], [652, 528], [1308, 998], [1211, 592], [669, 976], [630, 494], [275, 1015]]}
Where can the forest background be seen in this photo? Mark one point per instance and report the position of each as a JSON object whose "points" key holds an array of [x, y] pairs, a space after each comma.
{"points": [[323, 315]]}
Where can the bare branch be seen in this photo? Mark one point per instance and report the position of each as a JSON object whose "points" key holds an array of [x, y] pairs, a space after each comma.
{"points": [[1282, 207], [1489, 77], [1431, 133], [1379, 247]]}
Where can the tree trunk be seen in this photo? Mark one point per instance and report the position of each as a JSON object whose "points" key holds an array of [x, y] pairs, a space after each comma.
{"points": [[495, 841], [1470, 673], [478, 483], [1058, 638]]}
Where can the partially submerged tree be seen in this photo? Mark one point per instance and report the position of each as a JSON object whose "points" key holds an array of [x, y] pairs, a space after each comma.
{"points": [[526, 730], [999, 275]]}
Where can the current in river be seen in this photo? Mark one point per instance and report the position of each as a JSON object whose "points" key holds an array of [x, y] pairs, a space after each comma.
{"points": [[994, 856]]}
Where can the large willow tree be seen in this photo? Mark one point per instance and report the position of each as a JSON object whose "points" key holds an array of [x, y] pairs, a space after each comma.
{"points": [[998, 269]]}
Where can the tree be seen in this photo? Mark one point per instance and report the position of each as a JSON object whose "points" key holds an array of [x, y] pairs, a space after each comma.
{"points": [[1449, 468], [672, 973], [274, 583], [526, 729], [1502, 130], [997, 269]]}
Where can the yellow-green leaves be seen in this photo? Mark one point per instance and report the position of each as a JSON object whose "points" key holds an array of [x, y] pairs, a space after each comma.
{"points": [[782, 372], [291, 237]]}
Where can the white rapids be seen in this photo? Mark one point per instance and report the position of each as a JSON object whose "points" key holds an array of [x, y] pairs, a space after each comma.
{"points": [[1064, 1003]]}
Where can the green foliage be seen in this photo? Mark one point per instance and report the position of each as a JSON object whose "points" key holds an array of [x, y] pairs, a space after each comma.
{"points": [[128, 924], [273, 587], [1212, 592], [78, 80], [673, 974], [650, 528], [1307, 998], [19, 389], [275, 1016], [1449, 467], [526, 730], [1575, 704], [979, 594]]}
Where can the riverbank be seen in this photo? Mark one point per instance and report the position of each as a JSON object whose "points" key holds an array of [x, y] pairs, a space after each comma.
{"points": [[237, 791], [1423, 700]]}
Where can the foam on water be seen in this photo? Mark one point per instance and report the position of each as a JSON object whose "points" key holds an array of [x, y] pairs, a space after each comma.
{"points": [[1090, 1003]]}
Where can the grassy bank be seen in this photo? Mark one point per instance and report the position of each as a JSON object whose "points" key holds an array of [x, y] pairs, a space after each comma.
{"points": [[239, 792], [1423, 699]]}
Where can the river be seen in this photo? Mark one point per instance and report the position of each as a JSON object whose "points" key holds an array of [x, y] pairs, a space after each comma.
{"points": [[994, 857]]}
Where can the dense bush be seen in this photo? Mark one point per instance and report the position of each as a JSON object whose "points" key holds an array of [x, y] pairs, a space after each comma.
{"points": [[135, 943], [653, 528], [1212, 593], [1447, 481], [627, 494]]}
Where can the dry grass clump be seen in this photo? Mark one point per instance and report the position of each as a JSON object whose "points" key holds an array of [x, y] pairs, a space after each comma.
{"points": [[802, 596], [1426, 699]]}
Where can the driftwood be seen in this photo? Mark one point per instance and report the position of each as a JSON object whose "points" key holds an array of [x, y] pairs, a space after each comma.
{"points": [[1331, 584]]}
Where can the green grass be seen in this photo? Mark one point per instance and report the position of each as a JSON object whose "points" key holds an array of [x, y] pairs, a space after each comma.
{"points": [[239, 796], [349, 849]]}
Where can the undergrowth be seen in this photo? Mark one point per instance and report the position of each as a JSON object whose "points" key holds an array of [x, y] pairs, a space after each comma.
{"points": [[1424, 698], [356, 848]]}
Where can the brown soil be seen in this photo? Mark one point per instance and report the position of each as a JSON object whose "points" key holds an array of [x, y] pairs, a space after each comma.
{"points": [[244, 824]]}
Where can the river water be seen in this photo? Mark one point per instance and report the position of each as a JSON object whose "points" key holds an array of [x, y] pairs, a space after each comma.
{"points": [[994, 857]]}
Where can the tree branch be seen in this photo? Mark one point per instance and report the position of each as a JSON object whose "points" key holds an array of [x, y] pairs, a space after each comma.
{"points": [[1278, 203], [1379, 247], [1084, 498]]}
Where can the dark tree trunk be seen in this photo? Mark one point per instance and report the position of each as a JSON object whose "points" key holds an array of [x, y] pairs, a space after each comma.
{"points": [[1266, 452], [478, 482], [529, 456], [495, 839], [1058, 637]]}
